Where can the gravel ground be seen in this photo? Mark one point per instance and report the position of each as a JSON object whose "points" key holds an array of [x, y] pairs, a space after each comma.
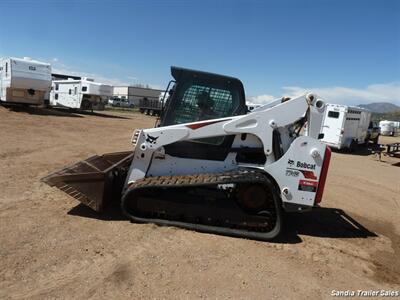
{"points": [[53, 247]]}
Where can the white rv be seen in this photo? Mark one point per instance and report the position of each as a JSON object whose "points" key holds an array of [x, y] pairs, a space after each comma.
{"points": [[345, 126], [23, 80], [83, 94]]}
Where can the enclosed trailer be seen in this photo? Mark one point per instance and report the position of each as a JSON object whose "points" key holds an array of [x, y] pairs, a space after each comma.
{"points": [[23, 80], [391, 128], [83, 94], [345, 126], [135, 93]]}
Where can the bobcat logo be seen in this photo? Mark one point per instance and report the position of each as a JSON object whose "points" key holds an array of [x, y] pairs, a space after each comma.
{"points": [[290, 162], [151, 139]]}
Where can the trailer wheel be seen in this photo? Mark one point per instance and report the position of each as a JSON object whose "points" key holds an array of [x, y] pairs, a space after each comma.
{"points": [[146, 112], [151, 112], [87, 105]]}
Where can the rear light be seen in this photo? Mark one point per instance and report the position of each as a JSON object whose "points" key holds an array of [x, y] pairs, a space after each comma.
{"points": [[324, 173]]}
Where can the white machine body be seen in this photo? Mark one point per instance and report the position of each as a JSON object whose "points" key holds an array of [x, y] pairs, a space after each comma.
{"points": [[298, 172], [252, 106], [23, 80]]}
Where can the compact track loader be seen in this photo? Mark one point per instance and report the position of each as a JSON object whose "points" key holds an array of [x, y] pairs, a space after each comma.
{"points": [[209, 164]]}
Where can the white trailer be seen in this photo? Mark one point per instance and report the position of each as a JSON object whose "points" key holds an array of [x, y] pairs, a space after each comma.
{"points": [[391, 128], [345, 126], [83, 94], [23, 80]]}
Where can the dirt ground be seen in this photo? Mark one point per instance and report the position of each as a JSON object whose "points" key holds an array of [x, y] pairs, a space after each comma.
{"points": [[52, 247]]}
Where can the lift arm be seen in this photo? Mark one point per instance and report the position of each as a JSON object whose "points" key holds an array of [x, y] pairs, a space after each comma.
{"points": [[260, 123]]}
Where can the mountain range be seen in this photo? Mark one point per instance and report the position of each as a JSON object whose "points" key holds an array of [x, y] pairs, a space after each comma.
{"points": [[380, 107]]}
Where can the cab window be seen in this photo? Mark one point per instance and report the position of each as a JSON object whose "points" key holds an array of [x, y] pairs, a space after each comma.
{"points": [[198, 102]]}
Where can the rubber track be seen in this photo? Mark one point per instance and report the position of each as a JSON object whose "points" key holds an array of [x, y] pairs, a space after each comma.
{"points": [[203, 180]]}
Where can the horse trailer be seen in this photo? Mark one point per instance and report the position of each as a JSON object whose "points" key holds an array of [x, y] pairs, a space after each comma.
{"points": [[82, 94], [345, 126], [391, 128]]}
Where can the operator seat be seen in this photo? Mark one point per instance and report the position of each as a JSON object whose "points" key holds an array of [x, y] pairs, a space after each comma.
{"points": [[205, 105]]}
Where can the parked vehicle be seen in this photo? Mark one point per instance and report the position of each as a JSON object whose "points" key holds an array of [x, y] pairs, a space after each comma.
{"points": [[345, 127], [373, 133], [390, 128], [152, 107], [24, 81], [120, 102], [83, 94], [224, 171]]}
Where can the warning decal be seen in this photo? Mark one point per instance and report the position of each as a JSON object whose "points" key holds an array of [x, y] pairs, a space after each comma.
{"points": [[308, 186]]}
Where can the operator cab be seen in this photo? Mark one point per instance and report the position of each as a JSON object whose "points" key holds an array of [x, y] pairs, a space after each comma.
{"points": [[201, 96], [198, 96]]}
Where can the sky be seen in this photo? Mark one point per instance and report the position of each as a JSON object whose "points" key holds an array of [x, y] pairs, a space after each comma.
{"points": [[346, 51]]}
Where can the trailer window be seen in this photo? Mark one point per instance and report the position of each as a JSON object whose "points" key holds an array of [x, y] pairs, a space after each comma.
{"points": [[75, 90], [56, 87], [6, 68], [56, 96], [84, 88], [69, 91], [333, 114]]}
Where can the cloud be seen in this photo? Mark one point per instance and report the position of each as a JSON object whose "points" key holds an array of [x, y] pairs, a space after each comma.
{"points": [[61, 68], [381, 92], [156, 86], [97, 77], [261, 99]]}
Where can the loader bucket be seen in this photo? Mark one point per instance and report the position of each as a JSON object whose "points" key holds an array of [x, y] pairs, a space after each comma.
{"points": [[94, 181]]}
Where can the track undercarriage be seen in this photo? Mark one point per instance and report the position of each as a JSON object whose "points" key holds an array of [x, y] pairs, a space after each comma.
{"points": [[240, 203]]}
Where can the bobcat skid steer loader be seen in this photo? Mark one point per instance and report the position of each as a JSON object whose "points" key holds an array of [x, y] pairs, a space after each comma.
{"points": [[210, 165]]}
